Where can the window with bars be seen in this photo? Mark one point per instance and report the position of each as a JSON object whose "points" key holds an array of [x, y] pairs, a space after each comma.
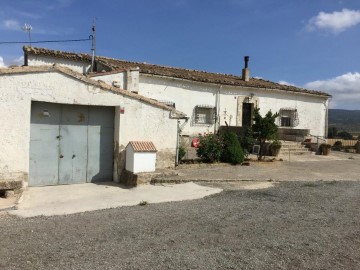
{"points": [[204, 114], [288, 117]]}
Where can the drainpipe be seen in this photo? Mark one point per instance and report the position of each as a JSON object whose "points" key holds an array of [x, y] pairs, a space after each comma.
{"points": [[217, 105], [179, 129], [177, 143], [326, 118]]}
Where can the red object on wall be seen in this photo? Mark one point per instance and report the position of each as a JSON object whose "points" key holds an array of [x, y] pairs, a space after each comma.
{"points": [[195, 142]]}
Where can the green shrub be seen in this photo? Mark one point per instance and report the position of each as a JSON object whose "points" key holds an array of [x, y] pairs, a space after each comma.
{"points": [[210, 147], [232, 152], [182, 152], [337, 146], [344, 135], [248, 141]]}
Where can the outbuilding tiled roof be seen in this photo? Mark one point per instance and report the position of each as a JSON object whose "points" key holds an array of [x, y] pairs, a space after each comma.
{"points": [[111, 64], [104, 86], [143, 146]]}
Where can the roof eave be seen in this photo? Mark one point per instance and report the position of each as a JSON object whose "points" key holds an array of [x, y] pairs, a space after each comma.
{"points": [[104, 86], [323, 94]]}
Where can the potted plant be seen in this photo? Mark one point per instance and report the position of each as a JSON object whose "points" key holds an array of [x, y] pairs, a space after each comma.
{"points": [[275, 147], [337, 146], [325, 149]]}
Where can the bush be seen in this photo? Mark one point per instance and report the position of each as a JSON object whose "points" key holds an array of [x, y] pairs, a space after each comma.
{"points": [[248, 141], [344, 135], [210, 147], [182, 152], [232, 153], [337, 146]]}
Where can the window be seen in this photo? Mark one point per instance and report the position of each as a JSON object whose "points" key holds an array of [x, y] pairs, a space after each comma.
{"points": [[204, 114], [288, 117], [285, 121]]}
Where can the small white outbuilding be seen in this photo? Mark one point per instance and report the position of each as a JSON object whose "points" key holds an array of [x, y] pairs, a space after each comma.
{"points": [[140, 156]]}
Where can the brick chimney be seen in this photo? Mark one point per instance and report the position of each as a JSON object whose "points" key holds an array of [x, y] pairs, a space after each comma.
{"points": [[246, 70]]}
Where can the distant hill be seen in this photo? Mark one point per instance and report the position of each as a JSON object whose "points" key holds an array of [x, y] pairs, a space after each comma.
{"points": [[348, 120]]}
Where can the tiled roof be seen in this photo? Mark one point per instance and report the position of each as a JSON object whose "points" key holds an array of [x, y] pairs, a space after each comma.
{"points": [[143, 146], [58, 68], [111, 64]]}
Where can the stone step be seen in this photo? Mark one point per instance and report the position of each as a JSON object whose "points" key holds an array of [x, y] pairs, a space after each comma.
{"points": [[299, 150], [286, 154], [292, 147]]}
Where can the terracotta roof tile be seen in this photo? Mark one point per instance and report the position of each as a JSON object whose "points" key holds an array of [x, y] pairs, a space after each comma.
{"points": [[111, 64], [143, 146], [102, 85]]}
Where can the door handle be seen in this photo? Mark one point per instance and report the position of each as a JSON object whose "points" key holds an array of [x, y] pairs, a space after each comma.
{"points": [[59, 137], [61, 156], [73, 156]]}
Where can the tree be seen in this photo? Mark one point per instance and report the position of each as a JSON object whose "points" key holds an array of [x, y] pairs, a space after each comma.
{"points": [[332, 132], [264, 129], [344, 135]]}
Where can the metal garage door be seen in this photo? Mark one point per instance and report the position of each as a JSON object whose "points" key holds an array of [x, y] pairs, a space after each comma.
{"points": [[70, 144]]}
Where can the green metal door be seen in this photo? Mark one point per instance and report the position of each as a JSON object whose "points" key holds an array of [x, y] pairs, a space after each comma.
{"points": [[73, 144], [70, 144]]}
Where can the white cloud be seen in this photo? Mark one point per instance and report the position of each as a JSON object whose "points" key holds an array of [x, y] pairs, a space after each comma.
{"points": [[17, 61], [56, 4], [286, 83], [28, 14], [336, 22], [2, 64], [345, 90], [12, 25]]}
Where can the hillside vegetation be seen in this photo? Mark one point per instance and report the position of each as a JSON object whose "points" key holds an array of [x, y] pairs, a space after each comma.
{"points": [[348, 120]]}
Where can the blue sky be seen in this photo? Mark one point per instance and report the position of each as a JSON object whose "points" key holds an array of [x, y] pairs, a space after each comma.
{"points": [[308, 43]]}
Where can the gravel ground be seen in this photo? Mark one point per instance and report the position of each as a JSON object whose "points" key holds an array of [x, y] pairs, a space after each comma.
{"points": [[294, 225]]}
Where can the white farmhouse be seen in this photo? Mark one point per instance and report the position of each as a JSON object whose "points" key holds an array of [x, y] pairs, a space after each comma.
{"points": [[62, 124], [210, 100]]}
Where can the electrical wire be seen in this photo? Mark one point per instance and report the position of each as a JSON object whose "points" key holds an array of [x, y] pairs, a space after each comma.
{"points": [[46, 41]]}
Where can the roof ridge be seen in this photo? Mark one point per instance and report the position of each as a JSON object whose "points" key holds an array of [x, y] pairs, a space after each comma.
{"points": [[65, 70], [165, 66], [180, 73], [33, 49]]}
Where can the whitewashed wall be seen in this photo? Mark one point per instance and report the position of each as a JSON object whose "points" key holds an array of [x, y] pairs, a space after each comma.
{"points": [[311, 109], [141, 121], [110, 78], [78, 66], [187, 94]]}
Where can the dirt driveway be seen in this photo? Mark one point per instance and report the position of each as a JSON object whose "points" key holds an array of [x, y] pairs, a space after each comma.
{"points": [[338, 166], [292, 225]]}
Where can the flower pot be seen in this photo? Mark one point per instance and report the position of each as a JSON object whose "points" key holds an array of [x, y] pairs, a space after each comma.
{"points": [[325, 149], [275, 150]]}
